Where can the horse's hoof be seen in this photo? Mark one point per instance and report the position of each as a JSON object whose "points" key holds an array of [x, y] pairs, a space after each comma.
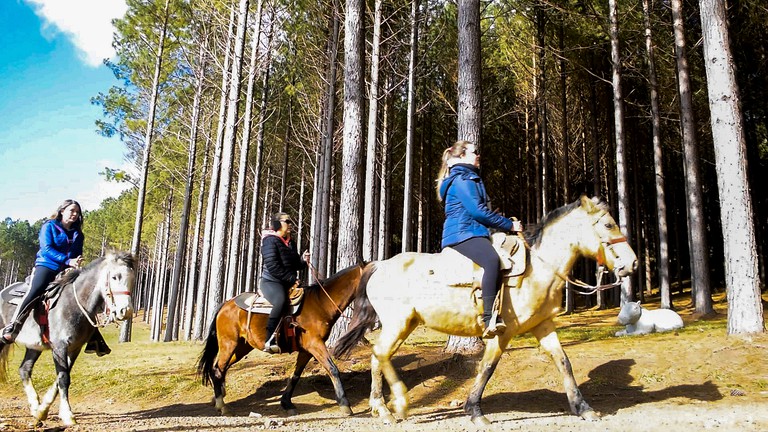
{"points": [[591, 415], [225, 411], [347, 411], [388, 419], [481, 421], [291, 412]]}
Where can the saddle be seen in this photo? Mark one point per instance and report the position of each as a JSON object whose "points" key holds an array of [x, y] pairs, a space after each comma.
{"points": [[255, 303], [454, 269], [14, 293]]}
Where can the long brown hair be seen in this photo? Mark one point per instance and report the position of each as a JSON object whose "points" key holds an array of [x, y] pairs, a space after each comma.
{"points": [[456, 150], [78, 225]]}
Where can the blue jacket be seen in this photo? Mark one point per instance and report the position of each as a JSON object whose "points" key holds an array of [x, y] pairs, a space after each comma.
{"points": [[466, 207], [57, 245]]}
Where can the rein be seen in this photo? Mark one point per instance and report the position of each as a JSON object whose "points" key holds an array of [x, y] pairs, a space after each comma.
{"points": [[314, 273], [584, 288], [108, 307]]}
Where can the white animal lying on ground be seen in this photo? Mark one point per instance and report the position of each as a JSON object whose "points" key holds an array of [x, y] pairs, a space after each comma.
{"points": [[643, 321]]}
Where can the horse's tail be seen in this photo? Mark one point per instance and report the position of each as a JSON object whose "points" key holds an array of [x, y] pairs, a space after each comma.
{"points": [[364, 316], [210, 352], [5, 349]]}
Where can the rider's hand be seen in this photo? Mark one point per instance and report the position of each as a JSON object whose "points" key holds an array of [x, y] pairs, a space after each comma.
{"points": [[75, 262], [305, 255], [517, 226]]}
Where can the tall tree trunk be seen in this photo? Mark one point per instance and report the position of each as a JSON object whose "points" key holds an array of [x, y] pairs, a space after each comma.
{"points": [[242, 173], [386, 175], [745, 309], [621, 156], [322, 190], [181, 245], [201, 316], [658, 165], [349, 246], [195, 294], [697, 238], [222, 200], [370, 155], [125, 330], [469, 114], [410, 129]]}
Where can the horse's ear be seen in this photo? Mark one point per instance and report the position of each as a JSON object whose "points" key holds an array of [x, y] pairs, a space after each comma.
{"points": [[587, 204]]}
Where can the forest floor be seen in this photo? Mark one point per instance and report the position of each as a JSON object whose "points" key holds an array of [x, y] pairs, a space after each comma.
{"points": [[690, 380]]}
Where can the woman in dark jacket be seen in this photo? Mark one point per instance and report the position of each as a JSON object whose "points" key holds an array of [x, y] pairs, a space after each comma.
{"points": [[281, 263], [468, 219]]}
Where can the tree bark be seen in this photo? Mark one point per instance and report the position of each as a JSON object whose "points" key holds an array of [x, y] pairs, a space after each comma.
{"points": [[125, 329], [410, 131], [658, 165], [370, 155], [745, 310]]}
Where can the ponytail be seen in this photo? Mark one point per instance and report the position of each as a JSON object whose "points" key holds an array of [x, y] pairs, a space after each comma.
{"points": [[454, 151]]}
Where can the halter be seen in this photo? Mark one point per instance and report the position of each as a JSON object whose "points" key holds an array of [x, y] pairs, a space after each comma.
{"points": [[109, 305], [587, 288]]}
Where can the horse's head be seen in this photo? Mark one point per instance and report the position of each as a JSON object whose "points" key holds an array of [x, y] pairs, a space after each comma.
{"points": [[607, 245], [116, 278]]}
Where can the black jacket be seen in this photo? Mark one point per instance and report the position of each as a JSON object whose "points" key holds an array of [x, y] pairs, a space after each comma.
{"points": [[280, 260]]}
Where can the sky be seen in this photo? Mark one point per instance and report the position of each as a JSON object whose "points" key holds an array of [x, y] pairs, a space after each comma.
{"points": [[50, 68]]}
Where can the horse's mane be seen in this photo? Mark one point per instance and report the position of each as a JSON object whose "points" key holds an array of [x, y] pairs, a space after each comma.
{"points": [[72, 275], [533, 236], [338, 275]]}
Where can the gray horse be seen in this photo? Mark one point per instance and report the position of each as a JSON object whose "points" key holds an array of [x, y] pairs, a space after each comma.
{"points": [[103, 287]]}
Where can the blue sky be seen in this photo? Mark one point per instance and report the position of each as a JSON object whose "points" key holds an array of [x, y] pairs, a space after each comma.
{"points": [[50, 67]]}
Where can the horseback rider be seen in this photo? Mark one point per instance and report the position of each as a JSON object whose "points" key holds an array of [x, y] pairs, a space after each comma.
{"points": [[281, 263], [468, 219], [61, 247]]}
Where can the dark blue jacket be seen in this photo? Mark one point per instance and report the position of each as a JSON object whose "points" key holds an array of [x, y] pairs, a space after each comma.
{"points": [[57, 245], [466, 207], [280, 259]]}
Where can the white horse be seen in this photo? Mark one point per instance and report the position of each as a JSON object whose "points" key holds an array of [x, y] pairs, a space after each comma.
{"points": [[643, 321], [104, 286], [408, 290]]}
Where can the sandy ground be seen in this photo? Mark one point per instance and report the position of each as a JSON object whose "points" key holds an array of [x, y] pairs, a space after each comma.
{"points": [[695, 379]]}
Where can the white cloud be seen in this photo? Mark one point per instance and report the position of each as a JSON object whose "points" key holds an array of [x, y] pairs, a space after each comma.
{"points": [[88, 23]]}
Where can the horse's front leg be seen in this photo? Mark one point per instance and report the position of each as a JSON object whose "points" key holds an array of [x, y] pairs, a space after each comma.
{"points": [[493, 350], [25, 372], [285, 401], [545, 333], [318, 349], [64, 365]]}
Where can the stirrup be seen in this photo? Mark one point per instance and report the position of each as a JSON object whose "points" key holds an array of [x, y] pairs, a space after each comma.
{"points": [[495, 326], [270, 346]]}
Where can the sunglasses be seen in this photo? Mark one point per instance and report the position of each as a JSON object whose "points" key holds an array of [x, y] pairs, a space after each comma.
{"points": [[287, 221]]}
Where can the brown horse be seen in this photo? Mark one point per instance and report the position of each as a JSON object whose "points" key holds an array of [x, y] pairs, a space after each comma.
{"points": [[232, 336]]}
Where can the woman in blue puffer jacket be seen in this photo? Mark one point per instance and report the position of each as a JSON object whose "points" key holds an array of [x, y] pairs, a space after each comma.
{"points": [[61, 247], [468, 219]]}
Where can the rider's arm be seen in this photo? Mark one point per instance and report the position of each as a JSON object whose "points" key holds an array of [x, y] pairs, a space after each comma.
{"points": [[468, 192], [48, 245]]}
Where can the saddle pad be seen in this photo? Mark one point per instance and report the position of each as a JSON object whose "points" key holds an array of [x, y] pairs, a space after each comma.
{"points": [[254, 303], [448, 267], [14, 292]]}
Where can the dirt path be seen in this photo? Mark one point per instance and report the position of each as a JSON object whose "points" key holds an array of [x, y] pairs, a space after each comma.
{"points": [[697, 379]]}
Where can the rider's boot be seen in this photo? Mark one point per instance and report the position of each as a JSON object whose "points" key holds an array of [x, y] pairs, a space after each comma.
{"points": [[9, 333], [494, 324], [97, 345], [270, 346]]}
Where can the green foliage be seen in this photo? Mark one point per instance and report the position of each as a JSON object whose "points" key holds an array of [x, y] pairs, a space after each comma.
{"points": [[18, 246]]}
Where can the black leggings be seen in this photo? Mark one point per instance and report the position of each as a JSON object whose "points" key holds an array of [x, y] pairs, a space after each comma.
{"points": [[481, 251], [42, 277], [277, 294]]}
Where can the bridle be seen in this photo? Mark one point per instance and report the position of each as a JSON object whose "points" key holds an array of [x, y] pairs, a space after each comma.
{"points": [[109, 303], [577, 286]]}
